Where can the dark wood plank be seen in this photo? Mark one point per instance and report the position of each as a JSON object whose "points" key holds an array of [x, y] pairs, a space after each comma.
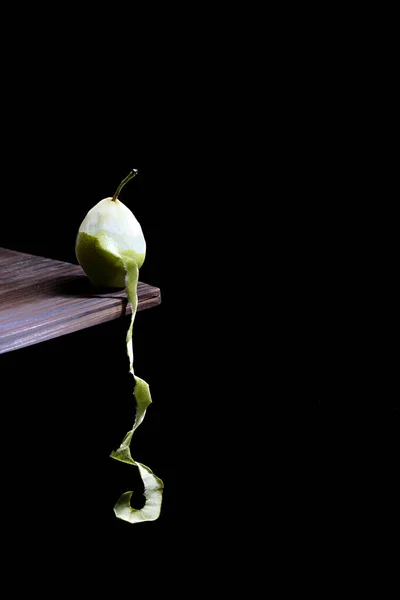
{"points": [[42, 298]]}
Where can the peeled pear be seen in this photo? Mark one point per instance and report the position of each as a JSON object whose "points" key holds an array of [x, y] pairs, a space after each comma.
{"points": [[110, 247], [109, 237]]}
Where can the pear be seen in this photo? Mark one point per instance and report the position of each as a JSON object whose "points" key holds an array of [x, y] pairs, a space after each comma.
{"points": [[109, 237], [110, 247]]}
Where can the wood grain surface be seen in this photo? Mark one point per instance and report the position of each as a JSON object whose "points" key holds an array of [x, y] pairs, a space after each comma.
{"points": [[42, 298]]}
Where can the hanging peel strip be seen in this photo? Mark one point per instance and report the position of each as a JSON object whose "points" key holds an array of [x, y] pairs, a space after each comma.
{"points": [[153, 486]]}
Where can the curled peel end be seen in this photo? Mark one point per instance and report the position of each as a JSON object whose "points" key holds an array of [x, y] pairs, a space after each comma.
{"points": [[153, 491]]}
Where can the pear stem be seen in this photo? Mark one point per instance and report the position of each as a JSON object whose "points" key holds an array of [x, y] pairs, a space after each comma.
{"points": [[123, 182]]}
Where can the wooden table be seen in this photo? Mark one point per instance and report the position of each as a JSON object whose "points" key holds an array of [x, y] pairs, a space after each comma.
{"points": [[42, 298]]}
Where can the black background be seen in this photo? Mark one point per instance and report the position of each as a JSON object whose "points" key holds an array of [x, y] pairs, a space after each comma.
{"points": [[259, 315]]}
